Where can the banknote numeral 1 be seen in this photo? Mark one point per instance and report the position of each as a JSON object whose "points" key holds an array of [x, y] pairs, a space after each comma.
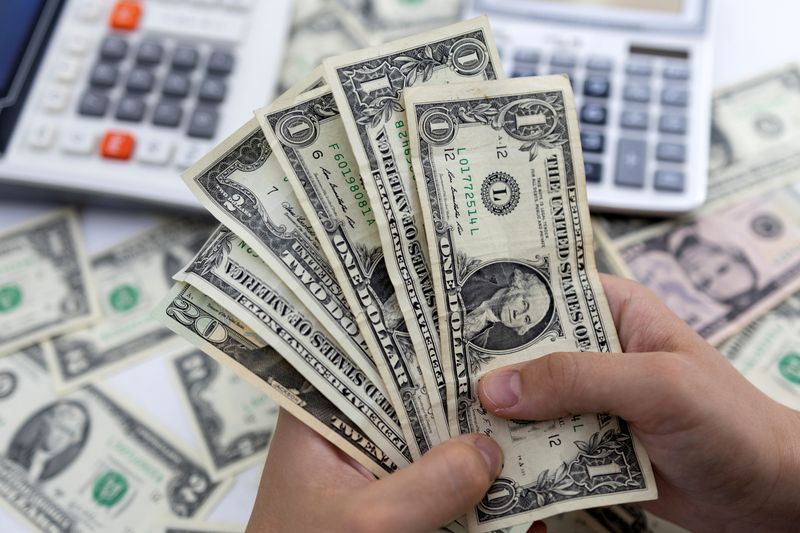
{"points": [[554, 440]]}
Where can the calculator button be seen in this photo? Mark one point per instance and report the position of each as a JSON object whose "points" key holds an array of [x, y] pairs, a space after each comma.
{"points": [[602, 64], [220, 62], [67, 70], [676, 72], [154, 151], [597, 86], [149, 53], [185, 58], [564, 60], [77, 44], [670, 180], [176, 84], [592, 142], [675, 96], [631, 158], [594, 114], [104, 75], [523, 71], [635, 92], [212, 90], [527, 55], [42, 135], [117, 145], [594, 171], [203, 123], [188, 154], [672, 152], [634, 119], [125, 15], [78, 141], [113, 48], [130, 109], [167, 114], [238, 4], [638, 69], [90, 10], [93, 104], [140, 80], [55, 99], [672, 124]]}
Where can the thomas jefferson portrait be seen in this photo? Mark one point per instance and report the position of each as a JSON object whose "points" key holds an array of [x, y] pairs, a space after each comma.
{"points": [[507, 305], [50, 440]]}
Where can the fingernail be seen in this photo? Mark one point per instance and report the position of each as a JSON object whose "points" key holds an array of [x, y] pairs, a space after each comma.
{"points": [[491, 453], [503, 388]]}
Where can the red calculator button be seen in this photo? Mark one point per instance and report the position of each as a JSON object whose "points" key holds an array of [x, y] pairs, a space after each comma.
{"points": [[125, 15], [117, 145]]}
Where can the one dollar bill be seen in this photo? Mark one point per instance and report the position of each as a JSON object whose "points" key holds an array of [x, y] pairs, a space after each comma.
{"points": [[500, 178]]}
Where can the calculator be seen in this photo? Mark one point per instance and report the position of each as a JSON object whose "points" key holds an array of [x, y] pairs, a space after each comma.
{"points": [[641, 73], [113, 99]]}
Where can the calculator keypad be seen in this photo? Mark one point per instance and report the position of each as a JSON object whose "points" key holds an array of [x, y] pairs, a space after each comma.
{"points": [[642, 101]]}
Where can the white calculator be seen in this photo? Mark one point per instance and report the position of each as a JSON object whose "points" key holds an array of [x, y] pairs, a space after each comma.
{"points": [[114, 98], [641, 72]]}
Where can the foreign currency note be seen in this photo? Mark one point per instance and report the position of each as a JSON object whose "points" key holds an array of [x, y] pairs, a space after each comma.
{"points": [[500, 177], [230, 272], [84, 462], [767, 352], [722, 268], [131, 278], [323, 172], [233, 420], [45, 284], [368, 87], [242, 184], [755, 142], [208, 326]]}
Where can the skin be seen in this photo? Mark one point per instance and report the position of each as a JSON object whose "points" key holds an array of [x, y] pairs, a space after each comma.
{"points": [[726, 457]]}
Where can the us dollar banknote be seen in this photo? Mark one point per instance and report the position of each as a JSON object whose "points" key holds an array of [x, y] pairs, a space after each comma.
{"points": [[229, 271], [722, 268], [242, 184], [368, 87], [131, 278], [85, 462], [323, 171], [767, 352], [606, 256], [616, 519], [232, 419], [381, 20], [197, 526], [510, 290], [204, 323], [45, 284]]}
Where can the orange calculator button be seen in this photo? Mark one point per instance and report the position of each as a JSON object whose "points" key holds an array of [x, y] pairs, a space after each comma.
{"points": [[125, 15], [117, 145]]}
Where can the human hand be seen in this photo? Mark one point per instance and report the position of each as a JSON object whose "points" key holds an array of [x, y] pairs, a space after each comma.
{"points": [[726, 457], [310, 485]]}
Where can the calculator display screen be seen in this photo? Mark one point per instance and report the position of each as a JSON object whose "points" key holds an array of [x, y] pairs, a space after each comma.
{"points": [[17, 21], [665, 6]]}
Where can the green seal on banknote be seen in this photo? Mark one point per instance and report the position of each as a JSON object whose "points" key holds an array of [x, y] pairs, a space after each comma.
{"points": [[789, 365], [124, 298], [10, 298], [109, 488]]}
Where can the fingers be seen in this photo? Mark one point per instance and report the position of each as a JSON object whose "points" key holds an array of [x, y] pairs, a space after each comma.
{"points": [[644, 323], [435, 490], [633, 386]]}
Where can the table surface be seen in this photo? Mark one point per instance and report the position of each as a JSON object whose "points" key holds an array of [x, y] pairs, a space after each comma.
{"points": [[751, 37]]}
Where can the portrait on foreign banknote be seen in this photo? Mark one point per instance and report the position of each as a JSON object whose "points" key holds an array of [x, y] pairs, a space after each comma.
{"points": [[507, 305], [50, 440]]}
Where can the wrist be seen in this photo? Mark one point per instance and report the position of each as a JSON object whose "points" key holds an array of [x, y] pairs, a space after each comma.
{"points": [[783, 503]]}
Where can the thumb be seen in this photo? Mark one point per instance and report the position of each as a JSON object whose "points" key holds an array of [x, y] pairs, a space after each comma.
{"points": [[631, 386], [435, 490]]}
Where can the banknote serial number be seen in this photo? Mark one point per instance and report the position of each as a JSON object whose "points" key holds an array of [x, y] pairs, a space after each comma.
{"points": [[470, 196], [352, 181]]}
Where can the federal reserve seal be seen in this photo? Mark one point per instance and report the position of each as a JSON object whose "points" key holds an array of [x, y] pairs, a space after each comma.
{"points": [[500, 193]]}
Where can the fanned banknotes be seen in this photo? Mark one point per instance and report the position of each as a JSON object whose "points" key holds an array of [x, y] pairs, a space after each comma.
{"points": [[500, 177]]}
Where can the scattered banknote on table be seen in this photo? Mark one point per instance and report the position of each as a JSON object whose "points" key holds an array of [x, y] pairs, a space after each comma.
{"points": [[84, 461], [197, 526], [510, 290], [131, 278], [233, 419], [45, 284]]}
